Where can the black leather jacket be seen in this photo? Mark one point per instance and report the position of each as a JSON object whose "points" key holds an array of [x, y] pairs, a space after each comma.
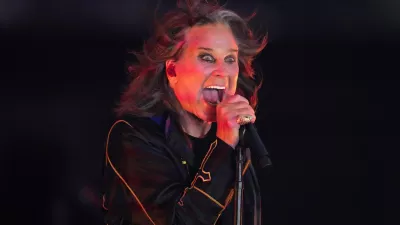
{"points": [[147, 179]]}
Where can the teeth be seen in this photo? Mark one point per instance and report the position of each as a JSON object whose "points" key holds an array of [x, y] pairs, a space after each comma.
{"points": [[216, 87]]}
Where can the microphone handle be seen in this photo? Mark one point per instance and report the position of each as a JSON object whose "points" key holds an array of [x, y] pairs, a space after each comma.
{"points": [[256, 145]]}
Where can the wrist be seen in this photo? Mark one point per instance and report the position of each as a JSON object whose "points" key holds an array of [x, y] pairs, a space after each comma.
{"points": [[231, 138]]}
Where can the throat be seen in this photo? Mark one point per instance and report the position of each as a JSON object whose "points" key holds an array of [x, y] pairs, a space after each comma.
{"points": [[194, 126]]}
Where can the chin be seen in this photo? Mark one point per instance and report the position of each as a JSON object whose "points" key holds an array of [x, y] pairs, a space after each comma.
{"points": [[209, 115], [204, 112], [209, 118]]}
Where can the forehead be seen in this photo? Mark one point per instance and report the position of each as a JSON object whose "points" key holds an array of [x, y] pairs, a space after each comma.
{"points": [[216, 36]]}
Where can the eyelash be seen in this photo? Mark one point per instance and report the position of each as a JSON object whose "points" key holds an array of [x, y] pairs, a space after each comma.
{"points": [[203, 56]]}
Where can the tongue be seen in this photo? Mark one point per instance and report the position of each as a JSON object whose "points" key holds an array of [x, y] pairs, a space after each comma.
{"points": [[211, 95]]}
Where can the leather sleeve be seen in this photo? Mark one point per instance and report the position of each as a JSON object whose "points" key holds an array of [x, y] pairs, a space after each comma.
{"points": [[143, 184]]}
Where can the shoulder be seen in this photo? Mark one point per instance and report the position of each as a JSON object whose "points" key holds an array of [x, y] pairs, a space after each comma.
{"points": [[136, 130], [130, 123]]}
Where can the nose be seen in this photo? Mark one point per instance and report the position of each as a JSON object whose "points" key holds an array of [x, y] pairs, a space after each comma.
{"points": [[220, 70]]}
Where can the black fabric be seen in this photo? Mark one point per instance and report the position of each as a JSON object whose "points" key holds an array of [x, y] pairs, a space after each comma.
{"points": [[200, 147], [150, 165]]}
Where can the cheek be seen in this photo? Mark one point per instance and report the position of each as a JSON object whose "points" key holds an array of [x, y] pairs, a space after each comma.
{"points": [[192, 74], [190, 80], [234, 69]]}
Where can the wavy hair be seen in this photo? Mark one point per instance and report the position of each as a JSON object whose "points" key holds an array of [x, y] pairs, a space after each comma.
{"points": [[149, 93]]}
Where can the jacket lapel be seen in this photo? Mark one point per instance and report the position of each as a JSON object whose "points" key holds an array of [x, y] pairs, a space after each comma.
{"points": [[177, 142]]}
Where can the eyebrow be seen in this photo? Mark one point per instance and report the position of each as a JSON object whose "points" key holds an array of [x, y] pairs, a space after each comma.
{"points": [[210, 49]]}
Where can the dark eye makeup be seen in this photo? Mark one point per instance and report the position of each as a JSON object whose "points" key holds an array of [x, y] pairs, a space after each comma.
{"points": [[206, 57], [209, 58]]}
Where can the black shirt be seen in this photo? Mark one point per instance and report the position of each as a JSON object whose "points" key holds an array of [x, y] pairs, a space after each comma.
{"points": [[200, 147]]}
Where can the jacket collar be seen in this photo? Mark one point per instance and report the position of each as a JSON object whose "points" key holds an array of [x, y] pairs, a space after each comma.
{"points": [[174, 137]]}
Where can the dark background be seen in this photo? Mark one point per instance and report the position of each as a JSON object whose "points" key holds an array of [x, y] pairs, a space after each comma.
{"points": [[330, 80]]}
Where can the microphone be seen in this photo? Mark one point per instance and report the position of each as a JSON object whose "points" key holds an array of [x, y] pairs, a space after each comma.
{"points": [[249, 132]]}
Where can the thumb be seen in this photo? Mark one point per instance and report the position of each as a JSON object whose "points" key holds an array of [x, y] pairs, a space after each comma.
{"points": [[226, 96]]}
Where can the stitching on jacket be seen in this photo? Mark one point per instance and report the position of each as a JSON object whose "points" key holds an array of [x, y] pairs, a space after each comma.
{"points": [[119, 175], [198, 175], [208, 196], [232, 192]]}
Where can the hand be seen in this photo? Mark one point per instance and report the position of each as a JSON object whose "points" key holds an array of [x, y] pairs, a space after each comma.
{"points": [[227, 113]]}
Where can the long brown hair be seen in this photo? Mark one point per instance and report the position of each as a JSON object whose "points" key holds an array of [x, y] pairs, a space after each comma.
{"points": [[148, 93]]}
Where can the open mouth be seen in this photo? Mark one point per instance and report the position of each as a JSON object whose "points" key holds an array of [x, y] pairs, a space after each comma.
{"points": [[213, 94]]}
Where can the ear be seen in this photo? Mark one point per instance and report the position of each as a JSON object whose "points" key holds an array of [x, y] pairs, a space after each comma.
{"points": [[170, 71]]}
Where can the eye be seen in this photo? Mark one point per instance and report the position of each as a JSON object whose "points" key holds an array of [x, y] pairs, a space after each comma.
{"points": [[230, 59], [207, 58]]}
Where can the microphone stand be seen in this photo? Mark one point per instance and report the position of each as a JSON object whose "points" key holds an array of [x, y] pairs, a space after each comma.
{"points": [[263, 160], [238, 211]]}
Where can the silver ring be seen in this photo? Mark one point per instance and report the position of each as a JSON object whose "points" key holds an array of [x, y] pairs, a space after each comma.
{"points": [[242, 120]]}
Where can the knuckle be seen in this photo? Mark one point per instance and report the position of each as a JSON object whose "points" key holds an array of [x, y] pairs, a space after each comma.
{"points": [[234, 98], [243, 98], [232, 123], [252, 110], [223, 110]]}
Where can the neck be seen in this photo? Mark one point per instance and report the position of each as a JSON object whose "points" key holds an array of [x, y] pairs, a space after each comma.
{"points": [[193, 126]]}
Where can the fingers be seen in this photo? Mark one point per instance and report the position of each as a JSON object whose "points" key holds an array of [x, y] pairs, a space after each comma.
{"points": [[234, 98], [233, 122], [228, 111], [234, 106], [237, 108], [233, 115]]}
